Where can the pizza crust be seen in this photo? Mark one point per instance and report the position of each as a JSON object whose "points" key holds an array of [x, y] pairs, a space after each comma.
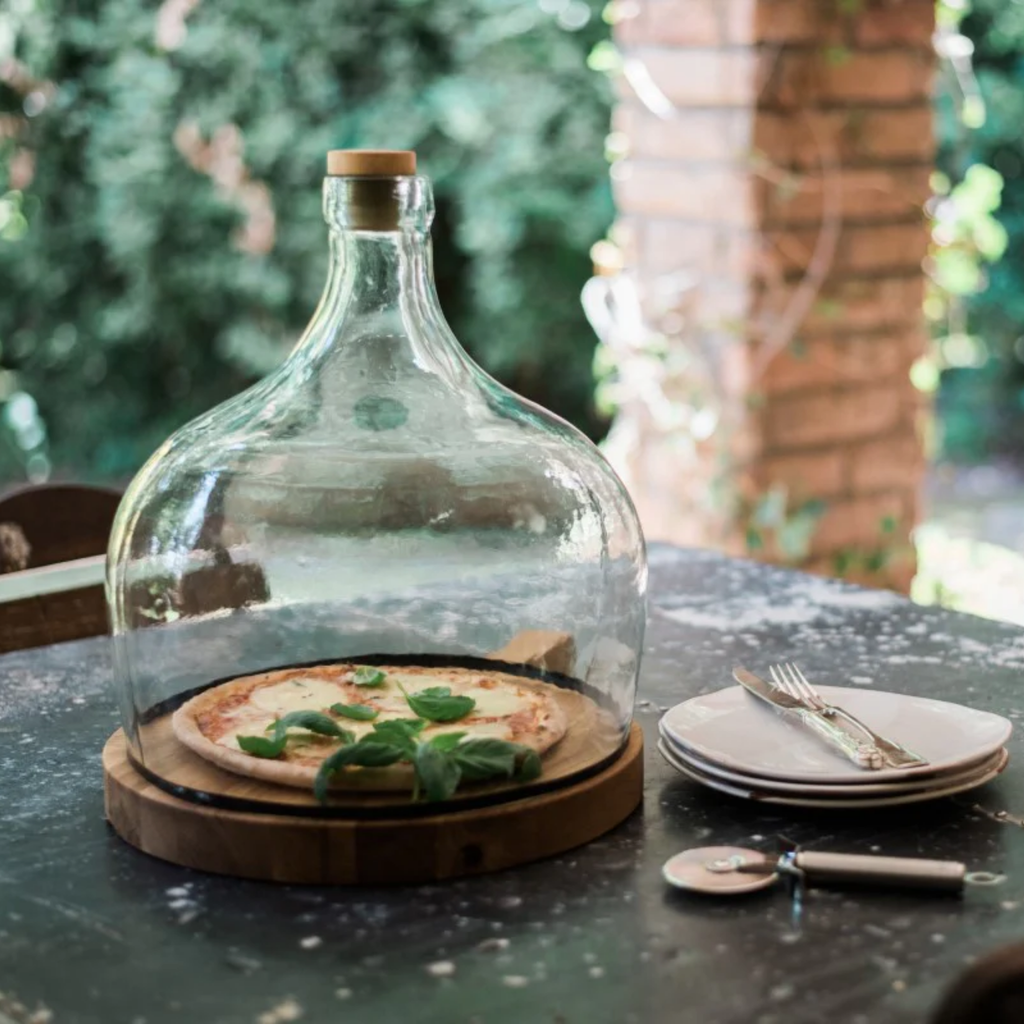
{"points": [[196, 721]]}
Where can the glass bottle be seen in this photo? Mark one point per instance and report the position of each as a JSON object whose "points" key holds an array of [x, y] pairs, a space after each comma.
{"points": [[377, 494]]}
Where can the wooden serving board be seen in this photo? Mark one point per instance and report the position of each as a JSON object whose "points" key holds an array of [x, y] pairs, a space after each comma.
{"points": [[289, 847], [592, 737]]}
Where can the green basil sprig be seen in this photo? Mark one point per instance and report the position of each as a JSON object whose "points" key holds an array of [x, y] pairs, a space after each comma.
{"points": [[313, 721], [358, 712], [437, 704], [439, 764], [440, 769], [367, 675]]}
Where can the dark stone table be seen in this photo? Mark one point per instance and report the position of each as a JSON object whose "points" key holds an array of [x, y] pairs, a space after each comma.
{"points": [[93, 932]]}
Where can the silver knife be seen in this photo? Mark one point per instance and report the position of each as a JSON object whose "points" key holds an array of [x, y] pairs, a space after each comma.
{"points": [[864, 755]]}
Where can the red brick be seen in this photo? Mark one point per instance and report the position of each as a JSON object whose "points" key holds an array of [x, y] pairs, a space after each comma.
{"points": [[685, 22], [890, 463], [900, 575], [917, 343], [731, 193], [703, 78], [895, 22], [693, 136], [854, 136], [877, 248], [741, 21], [897, 574], [848, 305], [672, 245], [851, 194], [820, 418], [725, 301], [691, 192], [805, 77], [787, 21], [709, 251], [805, 475], [839, 422], [849, 361], [860, 249], [858, 523]]}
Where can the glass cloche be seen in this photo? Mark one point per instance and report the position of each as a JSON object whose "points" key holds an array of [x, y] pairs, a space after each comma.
{"points": [[377, 507]]}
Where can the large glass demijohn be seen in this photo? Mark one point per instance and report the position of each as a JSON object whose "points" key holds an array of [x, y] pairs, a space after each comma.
{"points": [[377, 496]]}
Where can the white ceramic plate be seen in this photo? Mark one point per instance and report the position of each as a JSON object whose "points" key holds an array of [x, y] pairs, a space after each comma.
{"points": [[735, 730], [972, 781], [830, 789]]}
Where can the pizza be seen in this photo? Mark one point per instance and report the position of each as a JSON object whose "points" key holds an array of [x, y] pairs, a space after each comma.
{"points": [[501, 706]]}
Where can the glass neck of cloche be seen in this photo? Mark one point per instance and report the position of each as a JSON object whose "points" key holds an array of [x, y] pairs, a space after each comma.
{"points": [[380, 244]]}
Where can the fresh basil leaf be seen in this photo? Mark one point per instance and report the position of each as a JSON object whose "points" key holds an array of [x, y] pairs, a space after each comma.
{"points": [[410, 727], [375, 755], [359, 712], [367, 675], [485, 759], [314, 721], [435, 691], [369, 752], [438, 707], [447, 740], [260, 746], [402, 732], [528, 765], [436, 772]]}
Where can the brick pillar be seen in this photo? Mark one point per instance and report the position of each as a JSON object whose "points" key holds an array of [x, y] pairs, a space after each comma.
{"points": [[776, 162]]}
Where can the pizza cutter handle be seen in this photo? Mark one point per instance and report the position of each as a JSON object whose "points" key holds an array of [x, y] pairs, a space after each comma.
{"points": [[898, 872]]}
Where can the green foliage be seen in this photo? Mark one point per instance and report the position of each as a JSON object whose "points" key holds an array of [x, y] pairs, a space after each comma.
{"points": [[139, 283], [967, 232], [781, 526], [981, 258]]}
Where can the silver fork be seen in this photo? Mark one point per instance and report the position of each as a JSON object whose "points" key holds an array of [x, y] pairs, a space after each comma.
{"points": [[790, 679]]}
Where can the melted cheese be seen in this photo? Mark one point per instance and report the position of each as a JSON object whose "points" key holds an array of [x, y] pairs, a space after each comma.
{"points": [[476, 730], [490, 703], [497, 701], [297, 695]]}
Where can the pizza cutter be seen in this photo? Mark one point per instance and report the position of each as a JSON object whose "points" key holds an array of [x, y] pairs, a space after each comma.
{"points": [[732, 870]]}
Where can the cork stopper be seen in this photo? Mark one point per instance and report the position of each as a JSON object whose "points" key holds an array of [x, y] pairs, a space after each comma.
{"points": [[370, 163]]}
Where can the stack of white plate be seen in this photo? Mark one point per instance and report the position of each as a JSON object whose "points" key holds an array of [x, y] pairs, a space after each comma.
{"points": [[737, 744]]}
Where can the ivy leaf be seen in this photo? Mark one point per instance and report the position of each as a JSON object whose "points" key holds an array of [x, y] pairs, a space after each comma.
{"points": [[436, 771], [366, 675], [260, 746], [436, 705], [447, 740], [359, 712], [369, 752]]}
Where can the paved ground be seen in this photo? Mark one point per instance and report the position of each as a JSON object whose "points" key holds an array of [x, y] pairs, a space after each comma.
{"points": [[971, 545]]}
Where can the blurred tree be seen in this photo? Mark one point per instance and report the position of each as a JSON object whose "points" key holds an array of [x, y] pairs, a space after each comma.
{"points": [[981, 348], [161, 242]]}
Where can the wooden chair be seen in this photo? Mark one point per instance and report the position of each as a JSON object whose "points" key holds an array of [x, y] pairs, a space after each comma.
{"points": [[69, 525], [43, 526]]}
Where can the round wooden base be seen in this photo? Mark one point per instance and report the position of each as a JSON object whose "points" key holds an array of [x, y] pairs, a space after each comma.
{"points": [[285, 848]]}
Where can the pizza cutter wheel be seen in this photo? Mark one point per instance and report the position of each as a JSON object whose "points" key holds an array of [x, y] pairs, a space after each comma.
{"points": [[732, 870]]}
